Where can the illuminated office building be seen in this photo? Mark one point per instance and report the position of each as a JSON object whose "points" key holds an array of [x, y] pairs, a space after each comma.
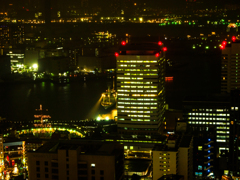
{"points": [[203, 113], [141, 88], [230, 75]]}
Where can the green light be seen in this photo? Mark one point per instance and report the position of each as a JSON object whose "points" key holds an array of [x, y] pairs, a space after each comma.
{"points": [[189, 23], [176, 23], [193, 47], [207, 47], [194, 23]]}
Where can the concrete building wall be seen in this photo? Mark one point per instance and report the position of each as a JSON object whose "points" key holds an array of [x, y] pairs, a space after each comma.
{"points": [[33, 165], [164, 163], [183, 162], [100, 163]]}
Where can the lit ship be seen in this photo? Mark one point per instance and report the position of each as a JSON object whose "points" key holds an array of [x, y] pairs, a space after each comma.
{"points": [[108, 98]]}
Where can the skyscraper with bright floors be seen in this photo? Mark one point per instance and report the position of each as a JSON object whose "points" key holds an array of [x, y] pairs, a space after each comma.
{"points": [[230, 74], [141, 88]]}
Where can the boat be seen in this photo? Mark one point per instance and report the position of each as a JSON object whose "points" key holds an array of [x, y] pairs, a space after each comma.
{"points": [[108, 98]]}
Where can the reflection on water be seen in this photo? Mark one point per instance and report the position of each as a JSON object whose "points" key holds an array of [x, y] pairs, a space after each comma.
{"points": [[64, 102]]}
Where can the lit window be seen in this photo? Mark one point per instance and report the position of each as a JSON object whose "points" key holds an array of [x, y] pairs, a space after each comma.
{"points": [[92, 165], [200, 148], [125, 147], [131, 147]]}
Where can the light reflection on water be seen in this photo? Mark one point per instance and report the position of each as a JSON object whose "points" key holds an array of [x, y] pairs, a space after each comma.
{"points": [[64, 102]]}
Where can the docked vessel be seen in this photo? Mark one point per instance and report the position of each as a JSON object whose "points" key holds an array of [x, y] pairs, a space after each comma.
{"points": [[109, 98]]}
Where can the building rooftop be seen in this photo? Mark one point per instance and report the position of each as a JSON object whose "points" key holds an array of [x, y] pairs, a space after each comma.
{"points": [[86, 147]]}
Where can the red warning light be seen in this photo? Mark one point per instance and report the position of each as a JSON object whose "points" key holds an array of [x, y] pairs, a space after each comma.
{"points": [[123, 43], [157, 54], [116, 54], [224, 43], [159, 43], [165, 49], [222, 47], [233, 38]]}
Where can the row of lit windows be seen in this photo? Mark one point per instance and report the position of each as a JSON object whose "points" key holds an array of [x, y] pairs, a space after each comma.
{"points": [[134, 78], [223, 132], [222, 137], [218, 110], [140, 119], [137, 70], [122, 119], [134, 82], [137, 99], [138, 95], [199, 122], [127, 111], [139, 87], [137, 103], [221, 140], [222, 127], [132, 65], [207, 114], [140, 74], [236, 108], [164, 170], [132, 61], [127, 90], [132, 107], [218, 119], [139, 116]]}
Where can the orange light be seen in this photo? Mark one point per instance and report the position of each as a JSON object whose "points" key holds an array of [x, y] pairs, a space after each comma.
{"points": [[165, 49], [116, 54], [123, 43], [159, 43], [233, 38], [157, 54]]}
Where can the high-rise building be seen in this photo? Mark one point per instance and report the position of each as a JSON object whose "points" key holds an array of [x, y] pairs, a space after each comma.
{"points": [[230, 76], [141, 88], [203, 113]]}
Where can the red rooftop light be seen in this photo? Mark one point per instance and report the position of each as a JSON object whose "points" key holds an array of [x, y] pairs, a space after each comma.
{"points": [[165, 49], [159, 43], [222, 47], [116, 54], [123, 43], [224, 43], [233, 38], [157, 54]]}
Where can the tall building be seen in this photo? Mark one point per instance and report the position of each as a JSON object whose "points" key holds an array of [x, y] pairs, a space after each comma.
{"points": [[141, 88], [230, 75], [203, 113]]}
